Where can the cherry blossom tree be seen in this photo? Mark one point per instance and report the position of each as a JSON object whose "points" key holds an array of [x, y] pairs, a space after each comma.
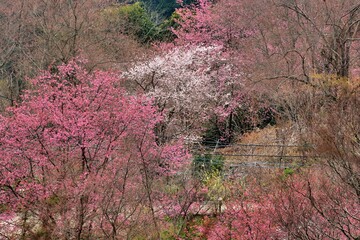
{"points": [[213, 22], [189, 84], [79, 158]]}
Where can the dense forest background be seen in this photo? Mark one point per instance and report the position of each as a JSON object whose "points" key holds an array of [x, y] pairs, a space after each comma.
{"points": [[193, 119]]}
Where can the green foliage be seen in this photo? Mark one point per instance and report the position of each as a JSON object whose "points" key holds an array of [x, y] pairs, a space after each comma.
{"points": [[288, 172], [165, 33], [217, 191], [164, 8], [181, 228], [148, 20], [207, 163], [138, 22], [215, 184], [167, 235]]}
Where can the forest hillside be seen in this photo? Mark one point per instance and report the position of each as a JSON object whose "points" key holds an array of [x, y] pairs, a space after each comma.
{"points": [[180, 119]]}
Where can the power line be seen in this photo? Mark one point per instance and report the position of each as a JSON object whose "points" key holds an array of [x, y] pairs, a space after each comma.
{"points": [[251, 145], [262, 155]]}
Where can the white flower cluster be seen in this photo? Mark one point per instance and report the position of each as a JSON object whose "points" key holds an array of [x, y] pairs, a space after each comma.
{"points": [[183, 82]]}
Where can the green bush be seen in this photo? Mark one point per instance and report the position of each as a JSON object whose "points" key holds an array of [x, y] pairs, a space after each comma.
{"points": [[288, 172], [208, 163], [164, 7], [138, 22]]}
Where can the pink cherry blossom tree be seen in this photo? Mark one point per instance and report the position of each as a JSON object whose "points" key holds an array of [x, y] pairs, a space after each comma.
{"points": [[79, 158]]}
